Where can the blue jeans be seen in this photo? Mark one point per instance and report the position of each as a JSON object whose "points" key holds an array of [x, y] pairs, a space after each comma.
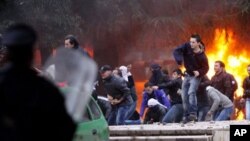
{"points": [[132, 122], [174, 114], [224, 114], [189, 87], [248, 109], [118, 115], [131, 110], [202, 112]]}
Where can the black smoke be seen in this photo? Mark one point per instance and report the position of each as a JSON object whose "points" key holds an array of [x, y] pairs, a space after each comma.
{"points": [[124, 32]]}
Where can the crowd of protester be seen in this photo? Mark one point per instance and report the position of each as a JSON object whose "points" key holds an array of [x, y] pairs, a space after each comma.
{"points": [[183, 96]]}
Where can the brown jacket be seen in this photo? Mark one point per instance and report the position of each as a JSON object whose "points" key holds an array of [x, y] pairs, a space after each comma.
{"points": [[246, 87], [222, 83]]}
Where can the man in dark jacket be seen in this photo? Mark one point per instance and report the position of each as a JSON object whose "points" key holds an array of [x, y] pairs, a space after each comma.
{"points": [[221, 80], [71, 42], [118, 94], [196, 65], [31, 108], [158, 77], [128, 77], [175, 113], [246, 93]]}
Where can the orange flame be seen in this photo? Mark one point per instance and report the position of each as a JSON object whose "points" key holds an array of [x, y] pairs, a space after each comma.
{"points": [[139, 89], [89, 48], [235, 59]]}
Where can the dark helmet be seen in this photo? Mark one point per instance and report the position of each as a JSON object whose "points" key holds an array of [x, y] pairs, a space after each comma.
{"points": [[19, 40], [19, 35]]}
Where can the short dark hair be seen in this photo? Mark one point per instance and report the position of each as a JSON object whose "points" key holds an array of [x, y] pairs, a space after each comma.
{"points": [[221, 63], [72, 39], [178, 71], [148, 84], [196, 36], [248, 65]]}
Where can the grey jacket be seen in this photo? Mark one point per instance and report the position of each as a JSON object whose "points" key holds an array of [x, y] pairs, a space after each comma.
{"points": [[217, 99]]}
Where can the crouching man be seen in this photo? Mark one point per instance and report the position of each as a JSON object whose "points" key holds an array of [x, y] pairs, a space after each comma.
{"points": [[150, 93], [222, 106], [155, 112]]}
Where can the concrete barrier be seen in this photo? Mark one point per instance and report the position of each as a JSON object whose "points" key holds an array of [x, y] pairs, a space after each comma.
{"points": [[162, 138], [199, 131]]}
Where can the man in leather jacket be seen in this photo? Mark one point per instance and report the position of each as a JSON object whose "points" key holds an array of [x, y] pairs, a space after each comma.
{"points": [[119, 96]]}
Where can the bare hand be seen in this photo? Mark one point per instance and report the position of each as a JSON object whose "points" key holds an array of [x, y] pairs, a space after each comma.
{"points": [[196, 73], [116, 101], [209, 113], [155, 87], [169, 97], [179, 91], [209, 116], [242, 100], [112, 100], [129, 67]]}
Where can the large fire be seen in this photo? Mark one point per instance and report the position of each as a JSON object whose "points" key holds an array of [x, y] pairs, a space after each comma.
{"points": [[235, 59]]}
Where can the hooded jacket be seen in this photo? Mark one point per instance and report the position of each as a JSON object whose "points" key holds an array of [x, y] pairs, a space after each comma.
{"points": [[192, 61]]}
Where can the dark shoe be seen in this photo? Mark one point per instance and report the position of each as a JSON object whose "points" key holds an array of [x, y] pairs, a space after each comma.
{"points": [[184, 120], [192, 117]]}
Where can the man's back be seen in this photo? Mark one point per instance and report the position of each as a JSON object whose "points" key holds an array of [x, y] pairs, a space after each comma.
{"points": [[220, 98], [32, 108]]}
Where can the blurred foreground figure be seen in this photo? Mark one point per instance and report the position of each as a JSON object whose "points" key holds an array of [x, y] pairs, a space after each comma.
{"points": [[31, 108], [67, 69], [3, 55]]}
